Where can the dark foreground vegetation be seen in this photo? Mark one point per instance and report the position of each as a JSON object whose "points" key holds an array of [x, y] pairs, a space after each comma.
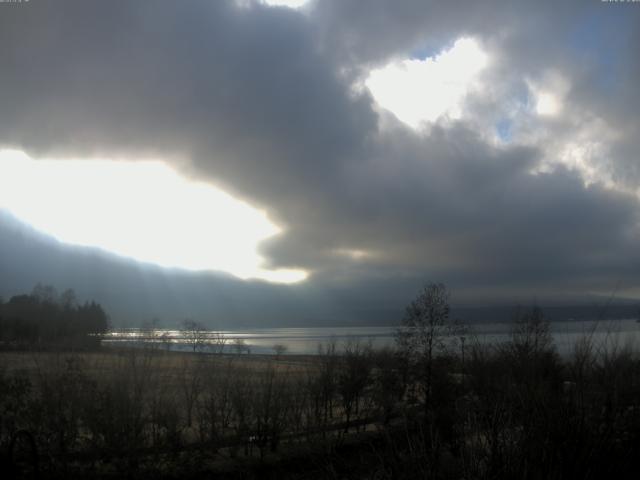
{"points": [[439, 405]]}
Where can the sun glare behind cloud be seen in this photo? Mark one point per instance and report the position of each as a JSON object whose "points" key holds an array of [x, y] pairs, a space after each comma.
{"points": [[286, 3], [548, 93], [547, 104], [423, 90], [142, 210]]}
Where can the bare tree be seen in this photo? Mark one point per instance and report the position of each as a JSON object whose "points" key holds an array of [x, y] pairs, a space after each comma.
{"points": [[531, 352], [422, 334], [353, 378], [194, 334], [215, 409], [240, 345], [166, 341], [270, 409], [327, 377], [242, 399], [191, 373], [279, 349], [217, 341], [149, 332], [531, 332], [387, 381]]}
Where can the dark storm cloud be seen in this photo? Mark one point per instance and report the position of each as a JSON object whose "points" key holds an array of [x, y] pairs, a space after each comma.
{"points": [[259, 100], [448, 203], [364, 32]]}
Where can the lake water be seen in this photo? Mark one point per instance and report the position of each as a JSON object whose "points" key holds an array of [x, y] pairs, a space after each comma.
{"points": [[607, 333]]}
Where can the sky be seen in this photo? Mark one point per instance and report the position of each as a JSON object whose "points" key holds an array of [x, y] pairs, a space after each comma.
{"points": [[319, 159]]}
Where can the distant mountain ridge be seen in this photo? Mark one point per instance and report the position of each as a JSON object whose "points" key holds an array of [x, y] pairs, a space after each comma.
{"points": [[132, 292], [617, 309]]}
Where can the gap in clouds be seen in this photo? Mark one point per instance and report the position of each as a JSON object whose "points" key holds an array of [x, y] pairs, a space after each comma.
{"points": [[418, 91], [143, 210]]}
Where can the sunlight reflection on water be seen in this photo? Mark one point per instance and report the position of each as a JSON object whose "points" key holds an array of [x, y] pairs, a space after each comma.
{"points": [[610, 333]]}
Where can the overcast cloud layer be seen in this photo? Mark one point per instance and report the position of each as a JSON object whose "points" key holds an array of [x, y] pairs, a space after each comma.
{"points": [[269, 104]]}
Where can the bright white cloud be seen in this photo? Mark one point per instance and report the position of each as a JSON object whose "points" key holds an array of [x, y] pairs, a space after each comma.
{"points": [[143, 210], [423, 90], [286, 3]]}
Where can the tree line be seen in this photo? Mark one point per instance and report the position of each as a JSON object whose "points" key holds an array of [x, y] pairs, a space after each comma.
{"points": [[46, 318]]}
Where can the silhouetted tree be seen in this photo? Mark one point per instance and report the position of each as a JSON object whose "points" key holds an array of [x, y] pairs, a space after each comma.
{"points": [[354, 377], [422, 332], [279, 349], [68, 299], [387, 381], [45, 318], [327, 377], [217, 341], [240, 345], [45, 293], [193, 333]]}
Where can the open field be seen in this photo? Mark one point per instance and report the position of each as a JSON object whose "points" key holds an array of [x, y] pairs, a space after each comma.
{"points": [[148, 403], [107, 359]]}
